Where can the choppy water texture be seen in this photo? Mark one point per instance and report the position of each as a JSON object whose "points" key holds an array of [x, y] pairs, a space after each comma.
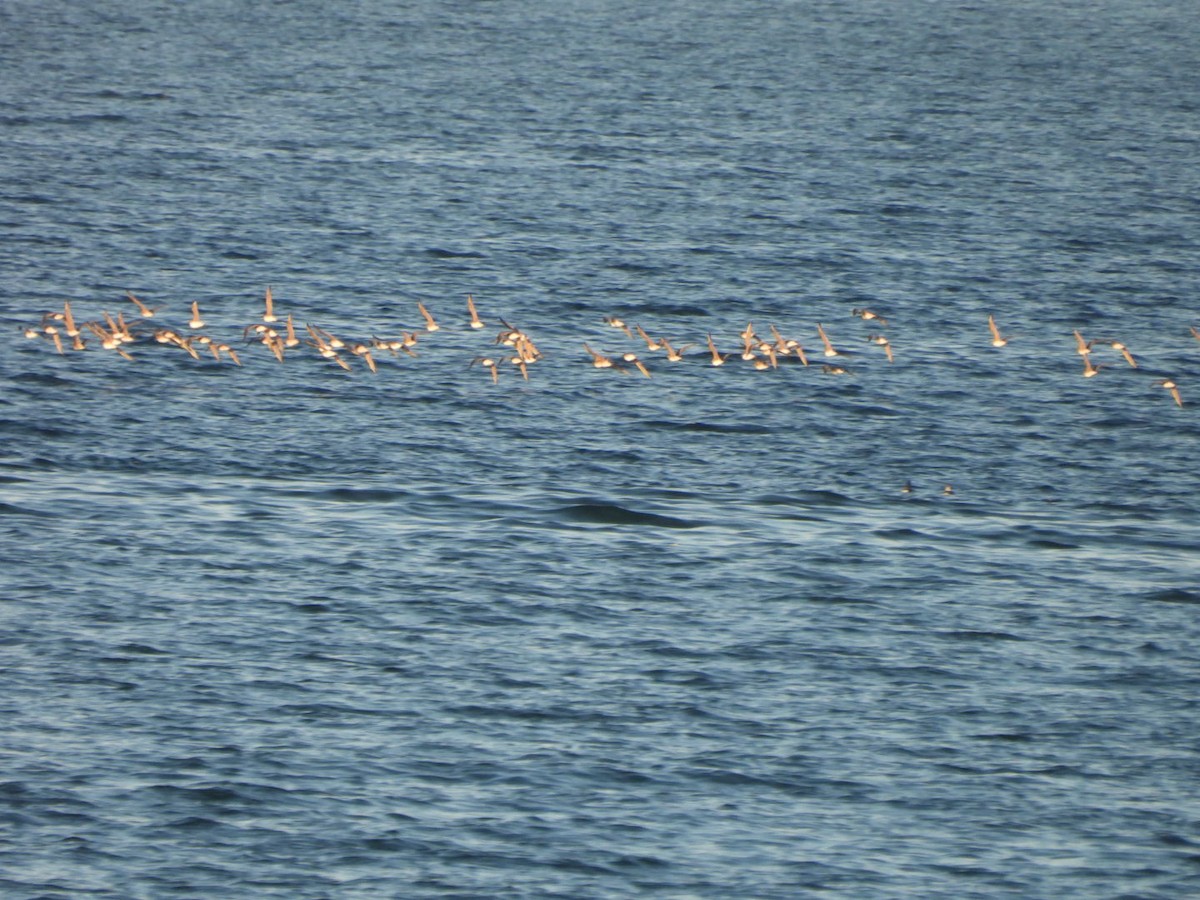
{"points": [[283, 630]]}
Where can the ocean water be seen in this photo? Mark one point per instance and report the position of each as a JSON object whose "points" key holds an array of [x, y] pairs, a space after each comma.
{"points": [[290, 630]]}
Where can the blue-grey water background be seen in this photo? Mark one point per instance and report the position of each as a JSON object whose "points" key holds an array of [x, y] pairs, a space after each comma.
{"points": [[285, 630]]}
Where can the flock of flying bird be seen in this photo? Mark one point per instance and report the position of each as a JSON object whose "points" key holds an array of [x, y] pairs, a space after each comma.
{"points": [[280, 337]]}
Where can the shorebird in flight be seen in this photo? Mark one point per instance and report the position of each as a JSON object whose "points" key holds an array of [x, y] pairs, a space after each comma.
{"points": [[717, 358], [391, 346], [430, 324], [269, 310], [1173, 388], [673, 355], [867, 316], [490, 364], [998, 340], [274, 343], [614, 322], [113, 328], [291, 340], [144, 311], [526, 350], [771, 352], [749, 342], [363, 352], [884, 343], [784, 347], [598, 360], [508, 337], [108, 339], [1124, 351], [69, 327], [829, 350], [218, 349], [122, 328], [1082, 347], [167, 336], [476, 322], [51, 333], [641, 367], [332, 339], [323, 346], [651, 343]]}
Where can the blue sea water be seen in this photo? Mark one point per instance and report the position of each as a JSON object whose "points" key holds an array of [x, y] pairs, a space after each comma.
{"points": [[285, 630]]}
